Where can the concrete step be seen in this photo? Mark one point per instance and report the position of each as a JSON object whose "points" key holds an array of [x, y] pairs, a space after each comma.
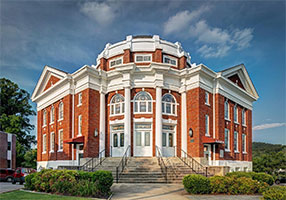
{"points": [[142, 180]]}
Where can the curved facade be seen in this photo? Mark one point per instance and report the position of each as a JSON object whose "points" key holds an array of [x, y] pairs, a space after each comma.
{"points": [[144, 93]]}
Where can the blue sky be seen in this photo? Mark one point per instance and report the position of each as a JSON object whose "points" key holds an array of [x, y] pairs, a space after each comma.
{"points": [[220, 34]]}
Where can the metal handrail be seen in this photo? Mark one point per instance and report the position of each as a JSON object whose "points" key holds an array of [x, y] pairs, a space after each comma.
{"points": [[122, 164], [91, 164], [162, 163]]}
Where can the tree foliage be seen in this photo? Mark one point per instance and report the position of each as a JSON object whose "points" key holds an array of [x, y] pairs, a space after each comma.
{"points": [[15, 110]]}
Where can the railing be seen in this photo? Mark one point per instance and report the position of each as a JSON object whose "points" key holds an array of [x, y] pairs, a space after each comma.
{"points": [[162, 163], [91, 164], [193, 164], [122, 164]]}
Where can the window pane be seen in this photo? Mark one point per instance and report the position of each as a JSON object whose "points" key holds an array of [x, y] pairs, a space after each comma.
{"points": [[173, 62], [226, 139], [235, 141], [163, 107], [143, 107], [136, 107], [112, 109], [147, 58], [170, 140], [207, 124], [164, 139], [122, 107], [138, 138], [174, 109], [149, 106], [117, 108], [168, 108], [115, 140], [122, 139], [147, 138], [139, 58]]}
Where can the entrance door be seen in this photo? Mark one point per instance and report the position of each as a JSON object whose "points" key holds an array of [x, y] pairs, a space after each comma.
{"points": [[117, 148], [79, 152], [168, 141], [143, 140], [207, 153]]}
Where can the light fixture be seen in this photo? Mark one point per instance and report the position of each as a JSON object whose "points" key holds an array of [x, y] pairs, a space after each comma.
{"points": [[96, 132], [191, 132]]}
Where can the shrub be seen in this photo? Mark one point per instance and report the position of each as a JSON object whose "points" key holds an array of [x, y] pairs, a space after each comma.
{"points": [[103, 180], [28, 181], [243, 185], [275, 193], [196, 184], [261, 177], [220, 184], [240, 174]]}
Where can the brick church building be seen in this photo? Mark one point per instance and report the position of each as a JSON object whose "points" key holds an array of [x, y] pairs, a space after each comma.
{"points": [[145, 94]]}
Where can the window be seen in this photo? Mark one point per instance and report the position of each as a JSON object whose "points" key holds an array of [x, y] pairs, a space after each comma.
{"points": [[8, 163], [243, 143], [226, 110], [52, 115], [226, 140], [115, 62], [44, 143], [45, 118], [143, 58], [235, 138], [243, 117], [207, 125], [143, 102], [79, 124], [61, 111], [115, 140], [52, 142], [61, 142], [164, 141], [168, 104], [235, 113], [9, 146], [170, 140], [79, 99], [121, 139], [117, 105], [170, 60], [207, 98]]}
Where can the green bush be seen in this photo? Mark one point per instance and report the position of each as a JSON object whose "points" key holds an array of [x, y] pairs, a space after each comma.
{"points": [[196, 184], [275, 193], [243, 185], [71, 182], [220, 184], [240, 174], [261, 177]]}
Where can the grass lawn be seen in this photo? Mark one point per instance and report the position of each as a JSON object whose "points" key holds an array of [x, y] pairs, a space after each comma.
{"points": [[28, 195]]}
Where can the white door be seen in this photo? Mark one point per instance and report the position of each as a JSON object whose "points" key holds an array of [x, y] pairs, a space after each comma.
{"points": [[168, 149], [79, 154], [207, 153], [117, 147], [143, 140]]}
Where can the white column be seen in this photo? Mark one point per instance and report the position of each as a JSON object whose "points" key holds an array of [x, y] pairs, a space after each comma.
{"points": [[184, 132], [159, 117], [127, 118], [102, 123]]}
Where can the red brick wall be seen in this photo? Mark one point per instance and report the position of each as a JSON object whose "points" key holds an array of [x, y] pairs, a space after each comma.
{"points": [[3, 150], [51, 82]]}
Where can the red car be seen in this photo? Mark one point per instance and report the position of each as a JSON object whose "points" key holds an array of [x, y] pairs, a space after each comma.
{"points": [[21, 173], [6, 175]]}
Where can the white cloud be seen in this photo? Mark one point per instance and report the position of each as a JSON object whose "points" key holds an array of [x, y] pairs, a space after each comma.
{"points": [[212, 42], [266, 126], [103, 13]]}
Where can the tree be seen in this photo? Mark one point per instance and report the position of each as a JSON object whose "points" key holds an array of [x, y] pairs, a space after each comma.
{"points": [[15, 110], [30, 159]]}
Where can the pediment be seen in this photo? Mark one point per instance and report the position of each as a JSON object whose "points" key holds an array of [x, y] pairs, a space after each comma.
{"points": [[49, 77], [239, 76]]}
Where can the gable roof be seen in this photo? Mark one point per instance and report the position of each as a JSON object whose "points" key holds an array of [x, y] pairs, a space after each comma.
{"points": [[244, 77], [45, 77]]}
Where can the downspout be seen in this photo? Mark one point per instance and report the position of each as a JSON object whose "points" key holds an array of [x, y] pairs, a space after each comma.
{"points": [[73, 91], [214, 110]]}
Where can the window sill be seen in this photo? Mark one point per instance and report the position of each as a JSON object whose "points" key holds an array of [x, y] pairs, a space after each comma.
{"points": [[44, 152], [44, 126], [244, 125], [143, 113], [227, 119], [244, 152], [51, 123], [60, 120], [227, 150], [114, 115], [169, 114], [237, 123], [78, 105], [236, 151], [207, 104], [207, 135], [51, 152], [60, 150]]}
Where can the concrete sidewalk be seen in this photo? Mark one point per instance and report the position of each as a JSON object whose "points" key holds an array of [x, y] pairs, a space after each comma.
{"points": [[8, 186], [148, 191]]}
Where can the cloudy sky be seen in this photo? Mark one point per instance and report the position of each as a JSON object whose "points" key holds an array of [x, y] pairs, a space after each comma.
{"points": [[68, 34]]}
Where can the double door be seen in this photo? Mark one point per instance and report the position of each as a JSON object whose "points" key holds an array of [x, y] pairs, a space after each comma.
{"points": [[142, 140]]}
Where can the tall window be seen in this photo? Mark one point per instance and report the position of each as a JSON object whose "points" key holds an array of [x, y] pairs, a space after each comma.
{"points": [[44, 143], [235, 113], [226, 139], [52, 142], [207, 98], [169, 60], [45, 118], [79, 99], [79, 124], [61, 141], [207, 125], [168, 104], [243, 143], [143, 102], [61, 111], [117, 105], [235, 138], [226, 109], [243, 117], [52, 115]]}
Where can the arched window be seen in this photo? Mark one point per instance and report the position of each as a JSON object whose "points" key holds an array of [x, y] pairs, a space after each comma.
{"points": [[226, 109], [168, 104], [52, 115], [61, 111], [117, 105], [45, 118], [143, 102]]}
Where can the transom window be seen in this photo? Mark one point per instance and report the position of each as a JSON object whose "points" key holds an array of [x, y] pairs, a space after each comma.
{"points": [[170, 60], [115, 62], [143, 58], [143, 102], [117, 105], [226, 110], [168, 104]]}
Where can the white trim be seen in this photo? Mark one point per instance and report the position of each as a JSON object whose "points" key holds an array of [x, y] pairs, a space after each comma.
{"points": [[144, 101], [116, 121], [116, 59], [79, 99], [144, 55], [169, 121], [164, 105], [172, 59], [143, 120], [207, 126], [79, 125]]}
